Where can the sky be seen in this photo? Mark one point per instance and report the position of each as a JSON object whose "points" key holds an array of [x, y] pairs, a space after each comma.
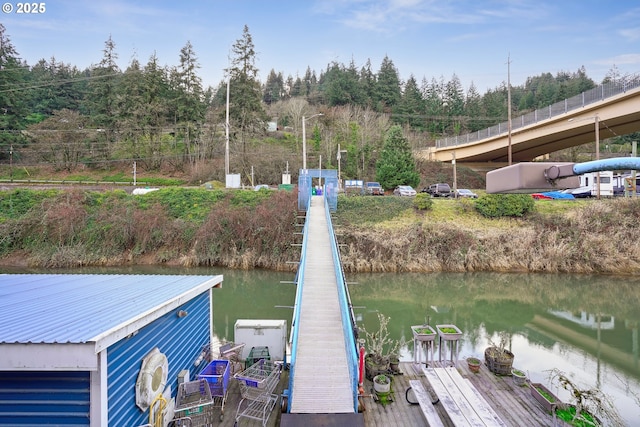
{"points": [[484, 42]]}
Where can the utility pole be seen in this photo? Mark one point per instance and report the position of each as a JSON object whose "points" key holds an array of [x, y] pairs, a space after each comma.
{"points": [[455, 175], [509, 155], [226, 128], [597, 120]]}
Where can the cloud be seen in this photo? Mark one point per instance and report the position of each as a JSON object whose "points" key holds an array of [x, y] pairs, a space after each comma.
{"points": [[631, 34], [392, 16], [624, 59]]}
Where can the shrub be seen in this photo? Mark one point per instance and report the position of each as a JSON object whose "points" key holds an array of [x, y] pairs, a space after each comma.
{"points": [[423, 201], [499, 205], [15, 204]]}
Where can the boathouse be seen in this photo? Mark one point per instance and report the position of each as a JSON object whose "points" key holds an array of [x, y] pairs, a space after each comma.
{"points": [[98, 350]]}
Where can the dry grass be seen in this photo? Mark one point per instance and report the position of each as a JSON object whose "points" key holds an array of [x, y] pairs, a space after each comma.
{"points": [[379, 234], [580, 237]]}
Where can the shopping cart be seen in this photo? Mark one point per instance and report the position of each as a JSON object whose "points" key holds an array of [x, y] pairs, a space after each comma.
{"points": [[257, 384], [194, 405], [216, 374], [233, 353]]}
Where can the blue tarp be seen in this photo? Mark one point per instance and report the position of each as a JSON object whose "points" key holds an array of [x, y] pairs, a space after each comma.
{"points": [[558, 195]]}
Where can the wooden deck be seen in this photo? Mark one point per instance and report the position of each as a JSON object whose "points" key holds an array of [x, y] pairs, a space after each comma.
{"points": [[514, 405]]}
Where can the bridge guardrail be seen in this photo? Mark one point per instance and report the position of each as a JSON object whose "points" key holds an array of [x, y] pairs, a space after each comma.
{"points": [[591, 96]]}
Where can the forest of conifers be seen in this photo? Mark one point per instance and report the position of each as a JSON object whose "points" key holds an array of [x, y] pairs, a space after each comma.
{"points": [[162, 118]]}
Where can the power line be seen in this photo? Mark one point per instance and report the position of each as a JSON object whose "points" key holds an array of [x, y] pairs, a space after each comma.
{"points": [[57, 83]]}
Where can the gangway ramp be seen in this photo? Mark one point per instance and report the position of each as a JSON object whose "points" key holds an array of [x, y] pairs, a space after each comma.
{"points": [[321, 382]]}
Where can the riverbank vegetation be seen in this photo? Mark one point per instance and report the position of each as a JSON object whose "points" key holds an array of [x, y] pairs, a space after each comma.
{"points": [[257, 229]]}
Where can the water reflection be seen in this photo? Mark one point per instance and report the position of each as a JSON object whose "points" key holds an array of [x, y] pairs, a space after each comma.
{"points": [[586, 326]]}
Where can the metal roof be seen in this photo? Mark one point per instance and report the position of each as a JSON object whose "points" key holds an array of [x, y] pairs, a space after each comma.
{"points": [[82, 308]]}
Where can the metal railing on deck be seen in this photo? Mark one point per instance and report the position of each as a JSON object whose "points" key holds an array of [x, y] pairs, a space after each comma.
{"points": [[596, 94]]}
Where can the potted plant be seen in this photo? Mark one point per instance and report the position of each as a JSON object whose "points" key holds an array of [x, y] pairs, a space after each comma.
{"points": [[544, 397], [519, 377], [587, 406], [380, 346], [423, 333], [394, 363], [474, 364], [448, 332], [381, 384], [498, 358], [569, 416]]}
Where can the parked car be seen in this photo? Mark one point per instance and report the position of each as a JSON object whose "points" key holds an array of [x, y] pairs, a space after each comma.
{"points": [[374, 189], [438, 190], [404, 190], [463, 192]]}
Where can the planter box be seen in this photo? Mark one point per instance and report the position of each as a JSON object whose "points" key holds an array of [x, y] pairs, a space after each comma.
{"points": [[500, 363], [549, 406], [423, 333], [449, 336]]}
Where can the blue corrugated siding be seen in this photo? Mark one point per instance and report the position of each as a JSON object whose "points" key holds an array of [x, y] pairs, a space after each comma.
{"points": [[44, 398], [180, 339]]}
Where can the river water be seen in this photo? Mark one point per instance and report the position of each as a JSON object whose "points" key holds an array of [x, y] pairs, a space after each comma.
{"points": [[585, 326]]}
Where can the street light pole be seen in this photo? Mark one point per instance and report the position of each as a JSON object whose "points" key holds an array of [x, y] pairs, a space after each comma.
{"points": [[304, 140]]}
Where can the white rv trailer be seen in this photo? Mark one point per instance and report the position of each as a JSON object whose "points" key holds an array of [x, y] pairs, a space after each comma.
{"points": [[606, 183]]}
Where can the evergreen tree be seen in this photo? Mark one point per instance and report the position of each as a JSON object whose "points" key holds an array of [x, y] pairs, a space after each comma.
{"points": [[454, 105], [341, 85], [433, 93], [297, 88], [55, 87], [473, 109], [368, 84], [189, 108], [396, 165], [411, 109], [387, 86], [309, 82], [101, 103], [274, 88], [494, 103], [131, 114], [12, 100], [246, 112]]}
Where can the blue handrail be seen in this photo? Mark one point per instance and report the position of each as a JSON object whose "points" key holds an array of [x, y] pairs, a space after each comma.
{"points": [[348, 321], [298, 302]]}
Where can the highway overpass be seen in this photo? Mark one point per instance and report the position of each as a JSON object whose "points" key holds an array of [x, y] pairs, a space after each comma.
{"points": [[614, 107]]}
